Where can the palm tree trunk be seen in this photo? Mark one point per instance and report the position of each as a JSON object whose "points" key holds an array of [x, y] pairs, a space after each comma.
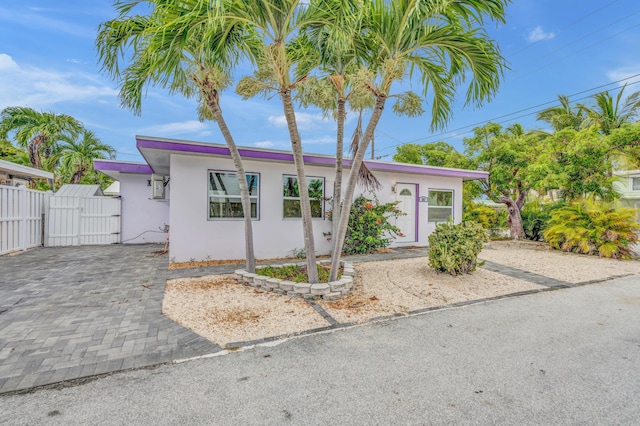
{"points": [[212, 102], [305, 204], [34, 152], [351, 186], [337, 182]]}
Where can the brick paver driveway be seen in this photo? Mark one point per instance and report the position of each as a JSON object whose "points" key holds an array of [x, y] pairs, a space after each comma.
{"points": [[73, 312]]}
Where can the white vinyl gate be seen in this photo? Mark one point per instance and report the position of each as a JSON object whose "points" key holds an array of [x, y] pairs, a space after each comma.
{"points": [[77, 220], [21, 225]]}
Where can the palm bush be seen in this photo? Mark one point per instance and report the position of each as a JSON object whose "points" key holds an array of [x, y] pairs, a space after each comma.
{"points": [[488, 217], [535, 218], [593, 227]]}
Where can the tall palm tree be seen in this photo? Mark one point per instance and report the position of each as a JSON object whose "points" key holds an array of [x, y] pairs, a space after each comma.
{"points": [[76, 155], [38, 132], [438, 40], [189, 48], [608, 113], [334, 44], [282, 65]]}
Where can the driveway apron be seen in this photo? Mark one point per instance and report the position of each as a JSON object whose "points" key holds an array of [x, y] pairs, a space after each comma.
{"points": [[73, 312]]}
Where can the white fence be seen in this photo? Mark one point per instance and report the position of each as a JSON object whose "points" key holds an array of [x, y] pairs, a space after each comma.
{"points": [[21, 212], [83, 220]]}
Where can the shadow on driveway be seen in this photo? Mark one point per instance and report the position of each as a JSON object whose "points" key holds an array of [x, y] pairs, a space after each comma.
{"points": [[73, 312]]}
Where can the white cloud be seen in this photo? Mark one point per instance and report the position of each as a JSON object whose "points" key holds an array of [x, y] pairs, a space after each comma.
{"points": [[7, 63], [176, 128], [624, 73], [323, 140], [264, 144], [38, 88], [538, 34], [304, 120]]}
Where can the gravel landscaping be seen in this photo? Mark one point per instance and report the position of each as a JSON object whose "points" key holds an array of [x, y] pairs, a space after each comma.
{"points": [[222, 310]]}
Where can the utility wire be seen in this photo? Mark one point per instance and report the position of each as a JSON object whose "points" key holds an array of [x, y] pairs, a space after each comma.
{"points": [[536, 107]]}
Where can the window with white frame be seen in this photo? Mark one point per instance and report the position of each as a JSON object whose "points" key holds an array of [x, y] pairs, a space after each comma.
{"points": [[440, 205], [635, 183], [291, 197], [224, 195]]}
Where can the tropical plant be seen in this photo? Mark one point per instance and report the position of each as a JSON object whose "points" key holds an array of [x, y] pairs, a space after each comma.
{"points": [[187, 47], [370, 225], [488, 217], [76, 154], [564, 116], [282, 65], [593, 227], [8, 152], [37, 132], [608, 114], [440, 42], [454, 248], [535, 218]]}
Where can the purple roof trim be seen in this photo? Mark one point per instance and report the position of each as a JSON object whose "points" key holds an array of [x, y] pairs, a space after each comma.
{"points": [[140, 168], [308, 159]]}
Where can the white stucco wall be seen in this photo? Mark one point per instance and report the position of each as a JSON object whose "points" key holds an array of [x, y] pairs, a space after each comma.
{"points": [[142, 217], [195, 237]]}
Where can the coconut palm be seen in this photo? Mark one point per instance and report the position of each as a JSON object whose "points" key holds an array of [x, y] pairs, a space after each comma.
{"points": [[38, 132], [608, 113], [188, 48], [563, 116], [439, 41], [75, 155]]}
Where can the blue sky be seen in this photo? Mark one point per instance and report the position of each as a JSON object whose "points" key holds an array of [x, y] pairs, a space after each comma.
{"points": [[48, 62]]}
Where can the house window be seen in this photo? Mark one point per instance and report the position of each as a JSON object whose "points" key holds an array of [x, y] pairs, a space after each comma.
{"points": [[440, 205], [224, 195], [635, 183], [291, 197]]}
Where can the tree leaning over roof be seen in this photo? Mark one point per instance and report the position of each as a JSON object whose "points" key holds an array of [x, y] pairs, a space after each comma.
{"points": [[37, 132], [189, 48], [440, 41]]}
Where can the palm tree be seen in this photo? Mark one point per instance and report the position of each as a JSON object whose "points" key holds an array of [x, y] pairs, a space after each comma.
{"points": [[439, 41], [76, 155], [334, 44], [282, 66], [38, 132], [609, 114], [188, 48], [564, 116]]}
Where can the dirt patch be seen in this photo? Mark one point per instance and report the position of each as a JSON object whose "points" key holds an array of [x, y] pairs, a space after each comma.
{"points": [[223, 311]]}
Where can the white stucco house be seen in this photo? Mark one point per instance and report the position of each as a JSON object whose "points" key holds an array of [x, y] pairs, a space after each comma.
{"points": [[627, 183], [192, 187]]}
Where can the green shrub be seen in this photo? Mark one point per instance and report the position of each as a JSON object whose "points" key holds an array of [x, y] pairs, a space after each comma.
{"points": [[593, 227], [370, 226], [455, 248], [535, 218]]}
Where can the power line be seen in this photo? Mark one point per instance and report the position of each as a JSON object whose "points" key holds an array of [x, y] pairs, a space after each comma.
{"points": [[536, 107]]}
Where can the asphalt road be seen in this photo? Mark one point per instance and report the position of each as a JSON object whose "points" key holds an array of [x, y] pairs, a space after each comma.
{"points": [[563, 357]]}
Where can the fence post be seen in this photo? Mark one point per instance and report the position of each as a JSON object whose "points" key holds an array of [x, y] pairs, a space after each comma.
{"points": [[23, 217]]}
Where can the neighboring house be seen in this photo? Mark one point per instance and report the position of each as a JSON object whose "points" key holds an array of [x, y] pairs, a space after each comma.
{"points": [[206, 213], [627, 183], [113, 189], [12, 174]]}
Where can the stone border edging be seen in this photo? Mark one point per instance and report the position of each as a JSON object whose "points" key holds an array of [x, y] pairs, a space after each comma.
{"points": [[328, 291]]}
